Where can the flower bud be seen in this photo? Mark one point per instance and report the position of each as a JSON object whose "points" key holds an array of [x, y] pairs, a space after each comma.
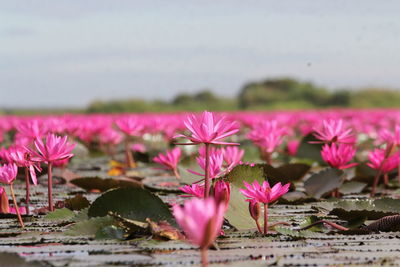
{"points": [[254, 209], [4, 207], [222, 192]]}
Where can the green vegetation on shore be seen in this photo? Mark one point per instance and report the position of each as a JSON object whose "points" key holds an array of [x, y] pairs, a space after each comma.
{"points": [[270, 94]]}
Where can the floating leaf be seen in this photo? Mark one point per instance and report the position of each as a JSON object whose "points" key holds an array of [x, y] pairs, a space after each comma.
{"points": [[354, 209], [60, 214], [297, 234], [78, 202], [295, 197], [90, 226], [131, 203], [110, 232], [310, 151], [102, 185], [352, 188], [323, 182]]}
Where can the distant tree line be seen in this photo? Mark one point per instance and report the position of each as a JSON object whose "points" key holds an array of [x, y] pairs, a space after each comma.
{"points": [[278, 93]]}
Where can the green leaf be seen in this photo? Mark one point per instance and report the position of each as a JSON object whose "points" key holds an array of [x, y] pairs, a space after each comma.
{"points": [[310, 151], [78, 202], [110, 232], [60, 214], [356, 209], [131, 203], [104, 184], [246, 173], [296, 233], [323, 182], [90, 226], [352, 188]]}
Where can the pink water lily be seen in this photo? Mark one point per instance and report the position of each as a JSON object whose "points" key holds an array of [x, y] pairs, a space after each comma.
{"points": [[338, 156], [194, 190], [232, 156], [201, 220], [215, 165], [22, 158], [8, 173], [264, 194], [54, 149], [222, 192], [170, 160], [334, 131], [208, 129]]}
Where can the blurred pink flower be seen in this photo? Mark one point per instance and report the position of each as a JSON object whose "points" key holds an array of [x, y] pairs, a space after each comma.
{"points": [[194, 190], [379, 161], [138, 147], [8, 173], [337, 156], [130, 125], [264, 193], [216, 160], [334, 131], [207, 129], [222, 192], [292, 147], [268, 135], [169, 160], [232, 155], [201, 220]]}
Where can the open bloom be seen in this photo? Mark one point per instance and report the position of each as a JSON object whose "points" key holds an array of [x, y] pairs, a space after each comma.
{"points": [[232, 155], [208, 129], [170, 159], [379, 161], [264, 193], [22, 158], [53, 149], [267, 135], [337, 156], [201, 220], [194, 190], [334, 131], [8, 173], [215, 168], [131, 126]]}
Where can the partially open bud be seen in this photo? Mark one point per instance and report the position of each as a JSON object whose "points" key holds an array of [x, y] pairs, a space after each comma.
{"points": [[255, 210], [222, 192], [4, 207]]}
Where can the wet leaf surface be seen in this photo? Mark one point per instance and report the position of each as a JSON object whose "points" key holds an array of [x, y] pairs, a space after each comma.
{"points": [[323, 182]]}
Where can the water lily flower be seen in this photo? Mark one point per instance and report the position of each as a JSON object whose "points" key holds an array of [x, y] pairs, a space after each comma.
{"points": [[222, 192], [334, 131], [338, 156], [22, 158], [232, 156], [264, 194], [194, 190], [55, 148], [170, 160], [207, 129], [8, 173], [130, 126], [201, 220]]}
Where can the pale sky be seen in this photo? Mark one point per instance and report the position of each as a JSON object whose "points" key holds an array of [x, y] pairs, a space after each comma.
{"points": [[66, 53]]}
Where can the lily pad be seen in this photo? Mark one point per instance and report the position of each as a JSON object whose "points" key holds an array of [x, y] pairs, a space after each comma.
{"points": [[352, 187], [60, 214], [78, 202], [131, 203], [90, 226], [323, 182], [104, 184], [310, 151], [370, 209]]}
